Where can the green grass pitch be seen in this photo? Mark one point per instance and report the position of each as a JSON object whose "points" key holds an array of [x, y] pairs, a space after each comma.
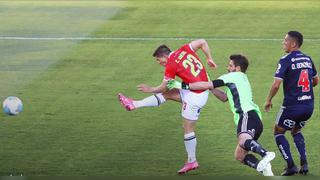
{"points": [[72, 122]]}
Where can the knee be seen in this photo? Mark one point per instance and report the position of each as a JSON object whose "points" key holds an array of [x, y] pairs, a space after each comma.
{"points": [[239, 157], [171, 95], [242, 142], [166, 96], [295, 131], [278, 130], [188, 127]]}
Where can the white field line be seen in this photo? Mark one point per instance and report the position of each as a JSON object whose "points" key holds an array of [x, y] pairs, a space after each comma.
{"points": [[138, 38]]}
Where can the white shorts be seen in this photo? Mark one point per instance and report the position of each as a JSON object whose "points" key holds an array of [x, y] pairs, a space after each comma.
{"points": [[192, 103]]}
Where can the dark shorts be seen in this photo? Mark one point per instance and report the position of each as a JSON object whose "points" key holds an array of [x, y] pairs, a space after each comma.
{"points": [[250, 123], [289, 118]]}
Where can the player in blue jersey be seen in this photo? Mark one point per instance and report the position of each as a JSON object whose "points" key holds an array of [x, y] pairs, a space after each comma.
{"points": [[298, 74]]}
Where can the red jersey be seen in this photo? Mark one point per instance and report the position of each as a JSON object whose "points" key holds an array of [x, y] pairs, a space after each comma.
{"points": [[185, 63]]}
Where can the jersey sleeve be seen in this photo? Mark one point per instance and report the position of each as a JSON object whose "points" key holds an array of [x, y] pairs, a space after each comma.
{"points": [[170, 71], [281, 70], [187, 47], [314, 72], [190, 47], [218, 83], [225, 78]]}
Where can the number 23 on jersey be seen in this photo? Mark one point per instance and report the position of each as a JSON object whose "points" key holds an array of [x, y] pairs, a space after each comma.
{"points": [[192, 62]]}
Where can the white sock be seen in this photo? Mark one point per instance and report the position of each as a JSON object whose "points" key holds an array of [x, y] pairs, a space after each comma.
{"points": [[151, 101], [190, 142]]}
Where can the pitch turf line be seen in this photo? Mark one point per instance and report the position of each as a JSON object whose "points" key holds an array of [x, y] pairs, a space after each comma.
{"points": [[139, 38]]}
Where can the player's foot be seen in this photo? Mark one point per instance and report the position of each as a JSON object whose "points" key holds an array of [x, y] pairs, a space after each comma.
{"points": [[126, 102], [290, 171], [304, 169], [188, 167], [268, 170], [265, 161]]}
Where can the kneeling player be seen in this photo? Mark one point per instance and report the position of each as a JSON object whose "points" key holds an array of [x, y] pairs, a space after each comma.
{"points": [[247, 115]]}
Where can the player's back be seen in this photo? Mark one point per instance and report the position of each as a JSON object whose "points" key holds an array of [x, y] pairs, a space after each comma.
{"points": [[185, 63], [239, 92], [297, 70]]}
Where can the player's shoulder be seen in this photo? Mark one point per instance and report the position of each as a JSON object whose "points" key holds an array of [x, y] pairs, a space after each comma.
{"points": [[287, 58], [284, 57], [232, 75], [186, 47], [180, 52]]}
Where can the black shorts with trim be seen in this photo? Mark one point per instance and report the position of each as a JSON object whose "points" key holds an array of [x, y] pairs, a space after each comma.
{"points": [[290, 117], [250, 123]]}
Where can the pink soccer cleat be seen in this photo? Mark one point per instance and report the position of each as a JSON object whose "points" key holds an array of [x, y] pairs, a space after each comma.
{"points": [[188, 167], [126, 102]]}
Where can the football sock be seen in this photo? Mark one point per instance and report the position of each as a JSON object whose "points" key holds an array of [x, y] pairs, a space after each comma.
{"points": [[252, 145], [190, 142], [151, 101], [300, 145], [251, 161], [284, 149]]}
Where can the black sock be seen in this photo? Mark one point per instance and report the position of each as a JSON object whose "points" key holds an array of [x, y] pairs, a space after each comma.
{"points": [[251, 161], [252, 145]]}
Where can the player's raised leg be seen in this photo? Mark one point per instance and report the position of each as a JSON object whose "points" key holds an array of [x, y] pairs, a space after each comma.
{"points": [[151, 101]]}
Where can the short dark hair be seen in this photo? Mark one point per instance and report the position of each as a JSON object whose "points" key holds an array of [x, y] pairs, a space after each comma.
{"points": [[240, 60], [161, 50], [297, 36]]}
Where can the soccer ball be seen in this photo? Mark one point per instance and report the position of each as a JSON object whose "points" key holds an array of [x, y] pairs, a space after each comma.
{"points": [[12, 105]]}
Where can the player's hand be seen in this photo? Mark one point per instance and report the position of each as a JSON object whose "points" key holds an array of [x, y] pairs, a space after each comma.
{"points": [[145, 88], [212, 64], [267, 106], [173, 84]]}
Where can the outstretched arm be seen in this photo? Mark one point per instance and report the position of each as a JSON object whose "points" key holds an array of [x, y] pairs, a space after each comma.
{"points": [[203, 85], [201, 43], [211, 85], [148, 89], [273, 91]]}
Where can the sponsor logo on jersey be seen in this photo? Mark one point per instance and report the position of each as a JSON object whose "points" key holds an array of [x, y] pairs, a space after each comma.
{"points": [[304, 97], [300, 59]]}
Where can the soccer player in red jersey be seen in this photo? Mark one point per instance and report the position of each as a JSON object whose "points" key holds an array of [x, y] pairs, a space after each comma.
{"points": [[185, 64]]}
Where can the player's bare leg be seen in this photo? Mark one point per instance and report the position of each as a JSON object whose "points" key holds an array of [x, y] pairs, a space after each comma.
{"points": [[190, 143], [152, 101]]}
